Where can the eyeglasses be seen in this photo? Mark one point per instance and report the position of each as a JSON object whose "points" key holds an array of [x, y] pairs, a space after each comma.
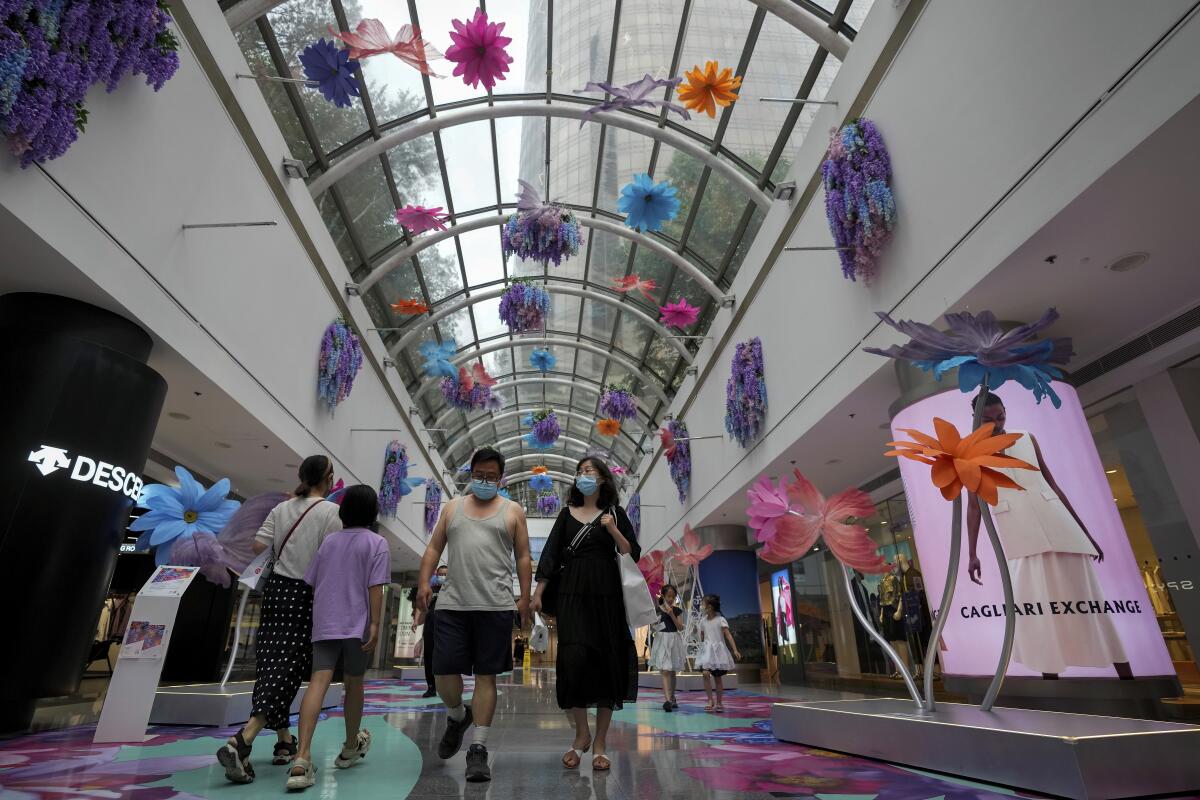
{"points": [[588, 470], [475, 476]]}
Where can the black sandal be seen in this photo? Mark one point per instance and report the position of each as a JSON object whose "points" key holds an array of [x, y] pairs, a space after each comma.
{"points": [[284, 752], [235, 758]]}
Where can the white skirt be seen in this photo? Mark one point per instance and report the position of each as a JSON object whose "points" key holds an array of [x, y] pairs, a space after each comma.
{"points": [[668, 653], [1051, 643], [714, 655]]}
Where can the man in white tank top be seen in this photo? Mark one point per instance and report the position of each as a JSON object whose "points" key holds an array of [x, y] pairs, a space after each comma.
{"points": [[482, 535]]}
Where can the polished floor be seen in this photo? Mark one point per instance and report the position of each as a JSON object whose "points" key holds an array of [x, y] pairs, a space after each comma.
{"points": [[686, 755]]}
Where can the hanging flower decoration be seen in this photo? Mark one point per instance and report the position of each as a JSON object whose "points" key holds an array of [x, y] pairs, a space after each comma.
{"points": [[608, 427], [790, 521], [632, 282], [478, 51], [859, 205], [524, 306], [633, 510], [433, 504], [51, 53], [340, 360], [653, 567], [678, 451], [617, 470], [204, 550], [542, 360], [647, 205], [679, 315], [746, 393], [545, 429], [540, 231], [330, 70], [370, 38], [418, 219], [972, 461], [539, 470], [688, 551], [438, 358], [395, 482], [617, 403], [180, 513], [541, 483], [470, 390], [980, 350], [548, 504], [337, 493], [632, 95], [410, 307], [709, 89], [236, 536]]}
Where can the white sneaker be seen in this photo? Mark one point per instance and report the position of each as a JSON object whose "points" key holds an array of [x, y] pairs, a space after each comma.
{"points": [[348, 758], [303, 781]]}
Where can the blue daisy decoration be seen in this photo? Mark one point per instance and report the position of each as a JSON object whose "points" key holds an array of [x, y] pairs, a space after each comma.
{"points": [[180, 513], [542, 360], [646, 204], [541, 483], [437, 358], [330, 70]]}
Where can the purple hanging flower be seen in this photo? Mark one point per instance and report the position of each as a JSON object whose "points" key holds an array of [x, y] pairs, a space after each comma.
{"points": [[679, 457], [433, 504], [545, 429], [540, 231], [859, 204], [524, 306], [746, 393], [617, 403], [471, 390], [633, 510], [548, 504], [395, 483], [341, 359]]}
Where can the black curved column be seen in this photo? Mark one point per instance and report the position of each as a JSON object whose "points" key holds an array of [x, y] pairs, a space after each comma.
{"points": [[78, 409]]}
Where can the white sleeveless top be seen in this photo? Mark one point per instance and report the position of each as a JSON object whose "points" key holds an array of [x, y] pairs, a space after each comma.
{"points": [[479, 553], [1035, 521]]}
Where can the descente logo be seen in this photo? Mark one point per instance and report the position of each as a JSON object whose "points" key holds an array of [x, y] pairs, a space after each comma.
{"points": [[48, 460]]}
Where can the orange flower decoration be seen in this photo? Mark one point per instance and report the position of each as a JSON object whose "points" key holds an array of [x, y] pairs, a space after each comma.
{"points": [[412, 306], [608, 427], [538, 470], [706, 89], [959, 462]]}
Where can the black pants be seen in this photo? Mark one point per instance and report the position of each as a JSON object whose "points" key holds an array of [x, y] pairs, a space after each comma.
{"points": [[284, 648], [427, 646]]}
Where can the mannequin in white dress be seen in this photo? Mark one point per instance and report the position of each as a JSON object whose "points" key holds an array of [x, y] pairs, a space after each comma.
{"points": [[1050, 554]]}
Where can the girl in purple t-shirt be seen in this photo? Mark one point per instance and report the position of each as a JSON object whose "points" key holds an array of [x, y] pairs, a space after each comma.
{"points": [[347, 574]]}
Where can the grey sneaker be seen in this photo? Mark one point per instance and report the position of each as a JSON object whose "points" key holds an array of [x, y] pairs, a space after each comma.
{"points": [[348, 758], [478, 770], [452, 739]]}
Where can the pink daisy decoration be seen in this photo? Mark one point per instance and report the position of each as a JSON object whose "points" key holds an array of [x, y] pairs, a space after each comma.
{"points": [[678, 315], [419, 218], [370, 38], [478, 51]]}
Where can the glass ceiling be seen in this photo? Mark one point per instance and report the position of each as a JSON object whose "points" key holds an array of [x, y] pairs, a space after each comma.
{"points": [[471, 170]]}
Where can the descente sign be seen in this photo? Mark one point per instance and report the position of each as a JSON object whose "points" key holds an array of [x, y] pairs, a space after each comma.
{"points": [[49, 460]]}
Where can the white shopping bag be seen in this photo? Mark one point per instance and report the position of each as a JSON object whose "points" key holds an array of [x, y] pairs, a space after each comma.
{"points": [[539, 638]]}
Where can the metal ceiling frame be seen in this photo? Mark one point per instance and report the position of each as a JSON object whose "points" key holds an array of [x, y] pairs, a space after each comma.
{"points": [[506, 383], [518, 412], [565, 440], [521, 477]]}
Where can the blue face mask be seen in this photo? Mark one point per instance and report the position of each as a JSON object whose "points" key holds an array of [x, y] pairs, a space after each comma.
{"points": [[436, 580], [483, 489], [586, 484]]}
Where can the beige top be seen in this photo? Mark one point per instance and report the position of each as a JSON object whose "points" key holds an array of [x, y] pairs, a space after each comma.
{"points": [[480, 555], [305, 540]]}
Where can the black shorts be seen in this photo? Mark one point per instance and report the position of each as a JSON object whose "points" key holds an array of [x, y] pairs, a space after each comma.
{"points": [[327, 653], [472, 642]]}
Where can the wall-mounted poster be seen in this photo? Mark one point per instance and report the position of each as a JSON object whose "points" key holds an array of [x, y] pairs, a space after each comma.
{"points": [[785, 617]]}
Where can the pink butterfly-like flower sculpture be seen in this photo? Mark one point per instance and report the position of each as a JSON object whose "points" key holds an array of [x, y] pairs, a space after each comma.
{"points": [[370, 38], [679, 315], [668, 442], [632, 282], [790, 531], [689, 552], [478, 51], [419, 219], [653, 566]]}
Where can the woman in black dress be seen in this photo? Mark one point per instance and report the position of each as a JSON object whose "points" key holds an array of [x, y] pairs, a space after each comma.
{"points": [[597, 659]]}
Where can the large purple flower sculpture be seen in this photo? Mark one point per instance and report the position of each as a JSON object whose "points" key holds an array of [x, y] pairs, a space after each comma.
{"points": [[644, 93], [980, 349], [395, 482], [617, 403], [548, 504], [524, 306], [545, 429], [433, 504], [678, 451], [470, 390], [858, 197], [633, 510], [341, 359], [330, 70], [540, 231], [746, 393]]}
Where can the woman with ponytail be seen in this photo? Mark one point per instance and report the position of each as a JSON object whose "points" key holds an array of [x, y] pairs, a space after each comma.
{"points": [[669, 655], [293, 530]]}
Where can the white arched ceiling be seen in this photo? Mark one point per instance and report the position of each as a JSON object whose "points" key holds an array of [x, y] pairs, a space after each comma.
{"points": [[648, 421], [484, 422]]}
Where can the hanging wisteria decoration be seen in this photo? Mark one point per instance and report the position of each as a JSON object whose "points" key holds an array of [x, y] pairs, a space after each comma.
{"points": [[540, 231], [433, 504], [633, 510], [746, 393], [394, 483], [548, 504], [678, 451], [617, 403], [545, 429], [524, 306], [470, 390], [858, 197], [341, 359]]}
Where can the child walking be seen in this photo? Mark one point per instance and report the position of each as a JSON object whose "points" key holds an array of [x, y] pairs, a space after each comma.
{"points": [[347, 574], [715, 658], [668, 655]]}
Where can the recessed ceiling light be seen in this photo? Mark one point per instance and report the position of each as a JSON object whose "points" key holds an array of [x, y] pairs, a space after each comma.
{"points": [[178, 415], [833, 461], [1128, 262], [292, 466], [1110, 472], [223, 445]]}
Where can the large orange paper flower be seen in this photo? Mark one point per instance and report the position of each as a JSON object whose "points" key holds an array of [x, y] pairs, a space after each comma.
{"points": [[957, 461], [412, 306], [706, 89], [609, 427], [539, 470]]}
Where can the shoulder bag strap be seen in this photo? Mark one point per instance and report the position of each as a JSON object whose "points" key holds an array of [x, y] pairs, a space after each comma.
{"points": [[583, 533], [295, 525]]}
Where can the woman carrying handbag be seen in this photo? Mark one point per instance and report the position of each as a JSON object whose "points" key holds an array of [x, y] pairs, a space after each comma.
{"points": [[579, 582]]}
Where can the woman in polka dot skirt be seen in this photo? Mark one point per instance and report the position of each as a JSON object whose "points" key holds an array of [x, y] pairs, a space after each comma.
{"points": [[294, 529]]}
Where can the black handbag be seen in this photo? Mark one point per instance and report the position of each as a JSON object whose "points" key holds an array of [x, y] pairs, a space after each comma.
{"points": [[550, 593]]}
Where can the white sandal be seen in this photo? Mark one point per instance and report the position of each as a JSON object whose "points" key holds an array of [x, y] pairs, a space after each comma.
{"points": [[305, 779], [348, 758]]}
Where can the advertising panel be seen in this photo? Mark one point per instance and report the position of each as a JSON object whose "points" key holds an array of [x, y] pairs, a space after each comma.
{"points": [[785, 617]]}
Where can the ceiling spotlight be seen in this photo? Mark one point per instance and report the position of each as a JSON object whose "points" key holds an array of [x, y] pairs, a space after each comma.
{"points": [[1050, 259], [833, 461], [178, 415], [294, 169], [1128, 262], [1110, 471], [785, 191], [223, 445]]}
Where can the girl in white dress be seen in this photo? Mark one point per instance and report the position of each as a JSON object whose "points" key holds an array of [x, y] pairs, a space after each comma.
{"points": [[669, 655], [715, 658]]}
